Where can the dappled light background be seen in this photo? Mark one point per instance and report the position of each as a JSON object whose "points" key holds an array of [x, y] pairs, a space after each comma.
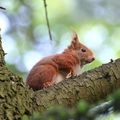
{"points": [[25, 35]]}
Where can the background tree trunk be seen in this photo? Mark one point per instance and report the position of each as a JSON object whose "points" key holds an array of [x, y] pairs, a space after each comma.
{"points": [[17, 99]]}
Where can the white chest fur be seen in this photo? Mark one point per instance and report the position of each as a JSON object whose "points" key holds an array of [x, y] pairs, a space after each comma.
{"points": [[58, 78], [77, 69]]}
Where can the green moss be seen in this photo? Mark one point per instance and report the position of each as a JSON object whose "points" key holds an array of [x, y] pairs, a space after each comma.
{"points": [[15, 97]]}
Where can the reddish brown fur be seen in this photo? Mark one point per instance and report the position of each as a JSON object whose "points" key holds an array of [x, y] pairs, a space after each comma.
{"points": [[53, 69]]}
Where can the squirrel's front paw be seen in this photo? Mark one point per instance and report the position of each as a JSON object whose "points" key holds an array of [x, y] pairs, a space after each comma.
{"points": [[70, 75]]}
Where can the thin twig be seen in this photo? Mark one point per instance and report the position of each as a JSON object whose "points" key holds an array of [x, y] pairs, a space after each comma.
{"points": [[2, 8], [47, 20]]}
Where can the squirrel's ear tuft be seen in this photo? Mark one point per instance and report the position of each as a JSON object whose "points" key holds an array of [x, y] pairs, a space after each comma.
{"points": [[75, 41], [75, 38]]}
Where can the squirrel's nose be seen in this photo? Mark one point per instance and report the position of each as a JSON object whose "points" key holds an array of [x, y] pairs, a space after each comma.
{"points": [[90, 59], [93, 59]]}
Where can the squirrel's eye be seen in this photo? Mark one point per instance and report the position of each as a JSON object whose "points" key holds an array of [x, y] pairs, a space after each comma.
{"points": [[83, 50]]}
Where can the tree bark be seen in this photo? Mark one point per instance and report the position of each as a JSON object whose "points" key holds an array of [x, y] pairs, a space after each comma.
{"points": [[17, 99]]}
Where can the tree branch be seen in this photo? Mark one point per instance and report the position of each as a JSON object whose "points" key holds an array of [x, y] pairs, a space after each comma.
{"points": [[101, 109]]}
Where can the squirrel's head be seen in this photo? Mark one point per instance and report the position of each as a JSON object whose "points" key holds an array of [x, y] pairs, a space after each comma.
{"points": [[85, 54]]}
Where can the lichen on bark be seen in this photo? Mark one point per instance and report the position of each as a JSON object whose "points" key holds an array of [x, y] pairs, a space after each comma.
{"points": [[15, 97]]}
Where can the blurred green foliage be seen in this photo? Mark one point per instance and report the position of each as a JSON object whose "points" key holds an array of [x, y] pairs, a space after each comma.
{"points": [[116, 101], [82, 111], [25, 34], [61, 113]]}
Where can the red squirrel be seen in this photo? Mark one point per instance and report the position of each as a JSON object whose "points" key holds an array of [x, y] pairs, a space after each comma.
{"points": [[56, 68]]}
